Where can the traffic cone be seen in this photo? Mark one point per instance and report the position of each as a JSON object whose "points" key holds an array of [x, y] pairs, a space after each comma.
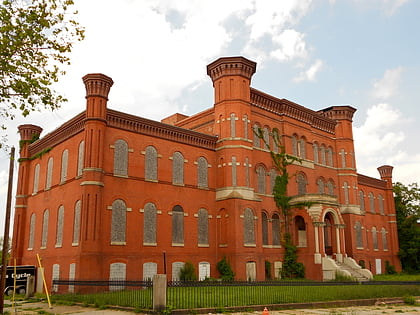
{"points": [[265, 311]]}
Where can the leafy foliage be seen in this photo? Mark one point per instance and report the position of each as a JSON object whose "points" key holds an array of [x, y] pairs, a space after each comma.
{"points": [[225, 270], [36, 38], [187, 273], [281, 160], [407, 203]]}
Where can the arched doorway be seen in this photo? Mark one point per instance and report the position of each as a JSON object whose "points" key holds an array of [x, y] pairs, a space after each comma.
{"points": [[328, 234], [300, 231]]}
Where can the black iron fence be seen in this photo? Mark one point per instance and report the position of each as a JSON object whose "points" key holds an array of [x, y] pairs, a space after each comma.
{"points": [[219, 295]]}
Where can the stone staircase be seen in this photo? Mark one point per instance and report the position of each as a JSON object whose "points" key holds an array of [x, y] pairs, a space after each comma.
{"points": [[347, 267]]}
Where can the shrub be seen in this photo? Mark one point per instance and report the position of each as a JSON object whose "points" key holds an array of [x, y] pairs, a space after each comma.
{"points": [[187, 273], [226, 272], [389, 269]]}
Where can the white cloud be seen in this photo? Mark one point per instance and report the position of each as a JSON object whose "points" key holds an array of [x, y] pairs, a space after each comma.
{"points": [[387, 86], [290, 44], [390, 7], [311, 72]]}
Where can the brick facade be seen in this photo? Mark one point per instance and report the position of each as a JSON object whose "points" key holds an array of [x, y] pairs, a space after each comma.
{"points": [[110, 195]]}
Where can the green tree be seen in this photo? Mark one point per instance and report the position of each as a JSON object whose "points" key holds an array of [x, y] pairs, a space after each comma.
{"points": [[36, 38], [281, 160], [407, 204]]}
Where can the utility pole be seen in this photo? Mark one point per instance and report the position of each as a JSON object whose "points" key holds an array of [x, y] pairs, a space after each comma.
{"points": [[6, 230]]}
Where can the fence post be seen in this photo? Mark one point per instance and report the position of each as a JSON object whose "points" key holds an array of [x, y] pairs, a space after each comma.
{"points": [[30, 287], [159, 292]]}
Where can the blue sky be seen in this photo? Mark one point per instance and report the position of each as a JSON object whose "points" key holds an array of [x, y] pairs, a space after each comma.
{"points": [[315, 53]]}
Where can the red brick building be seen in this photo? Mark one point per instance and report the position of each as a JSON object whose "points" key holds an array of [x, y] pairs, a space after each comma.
{"points": [[111, 195]]}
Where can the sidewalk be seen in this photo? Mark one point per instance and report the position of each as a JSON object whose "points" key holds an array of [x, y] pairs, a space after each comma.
{"points": [[40, 308]]}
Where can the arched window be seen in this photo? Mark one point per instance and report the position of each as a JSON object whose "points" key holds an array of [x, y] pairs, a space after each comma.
{"points": [[119, 221], [32, 231], [371, 203], [64, 165], [273, 176], [384, 240], [323, 155], [264, 222], [36, 179], [76, 223], [257, 140], [302, 148], [295, 145], [275, 223], [55, 276], [50, 166], [375, 238], [150, 163], [321, 185], [346, 193], [381, 204], [249, 229], [149, 224], [234, 173], [301, 183], [149, 270], [72, 276], [330, 157], [203, 270], [202, 172], [362, 201], [60, 225], [359, 237], [300, 227], [177, 169], [330, 187], [316, 152], [343, 158], [120, 158], [203, 227], [276, 140], [80, 158], [176, 269], [44, 235], [177, 225], [117, 275], [266, 136], [260, 179]]}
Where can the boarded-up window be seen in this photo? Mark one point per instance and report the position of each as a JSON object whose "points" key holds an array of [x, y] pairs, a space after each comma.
{"points": [[151, 163], [371, 203], [55, 276], [301, 182], [381, 204], [260, 179], [264, 223], [149, 270], [249, 228], [32, 231], [60, 225], [44, 235], [36, 179], [64, 165], [150, 220], [202, 172], [76, 223], [121, 158], [177, 225], [119, 221], [80, 158], [275, 222], [50, 166], [362, 201], [178, 168], [384, 240], [375, 238], [203, 227], [117, 275]]}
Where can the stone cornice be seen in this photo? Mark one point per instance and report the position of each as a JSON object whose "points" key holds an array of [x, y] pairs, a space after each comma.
{"points": [[370, 181], [62, 133], [292, 110], [156, 129]]}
